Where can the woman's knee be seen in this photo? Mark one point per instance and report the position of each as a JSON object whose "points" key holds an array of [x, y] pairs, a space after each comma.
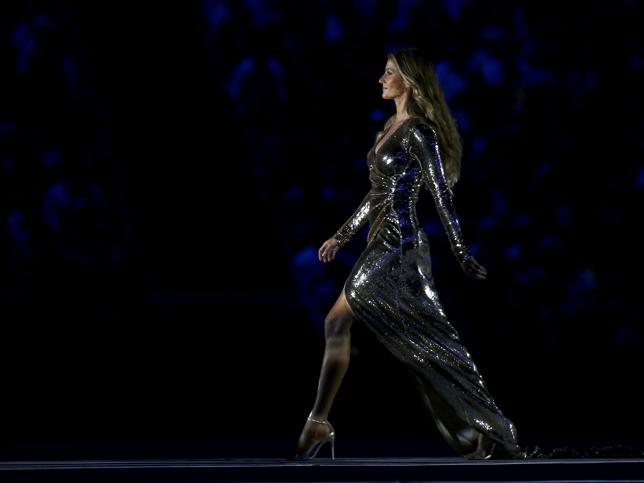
{"points": [[337, 324]]}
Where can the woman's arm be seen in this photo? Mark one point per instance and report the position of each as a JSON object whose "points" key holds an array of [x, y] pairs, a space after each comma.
{"points": [[423, 146], [355, 221]]}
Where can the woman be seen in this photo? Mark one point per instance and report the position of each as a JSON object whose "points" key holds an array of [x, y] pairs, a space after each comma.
{"points": [[391, 288]]}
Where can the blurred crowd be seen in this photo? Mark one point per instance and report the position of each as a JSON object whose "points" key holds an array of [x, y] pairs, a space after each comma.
{"points": [[544, 99]]}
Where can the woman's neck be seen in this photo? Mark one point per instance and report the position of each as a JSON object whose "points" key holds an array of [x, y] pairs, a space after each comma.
{"points": [[401, 108]]}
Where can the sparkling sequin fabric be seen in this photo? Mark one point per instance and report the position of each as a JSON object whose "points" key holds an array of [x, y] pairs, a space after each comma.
{"points": [[391, 289]]}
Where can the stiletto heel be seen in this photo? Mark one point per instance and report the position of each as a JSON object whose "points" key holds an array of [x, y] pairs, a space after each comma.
{"points": [[313, 451], [480, 453]]}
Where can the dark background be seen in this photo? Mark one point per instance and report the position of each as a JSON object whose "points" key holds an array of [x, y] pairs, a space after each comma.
{"points": [[169, 171]]}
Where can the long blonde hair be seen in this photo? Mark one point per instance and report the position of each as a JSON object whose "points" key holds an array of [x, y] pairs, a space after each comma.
{"points": [[427, 101]]}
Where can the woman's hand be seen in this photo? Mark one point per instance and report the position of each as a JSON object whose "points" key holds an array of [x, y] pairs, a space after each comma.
{"points": [[474, 269], [327, 251]]}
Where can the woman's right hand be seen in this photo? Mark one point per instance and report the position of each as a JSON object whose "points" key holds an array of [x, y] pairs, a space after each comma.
{"points": [[327, 251]]}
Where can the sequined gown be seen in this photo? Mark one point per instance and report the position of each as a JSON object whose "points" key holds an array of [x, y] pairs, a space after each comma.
{"points": [[391, 289]]}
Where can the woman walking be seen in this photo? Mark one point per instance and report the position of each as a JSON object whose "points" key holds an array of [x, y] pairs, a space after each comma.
{"points": [[391, 288]]}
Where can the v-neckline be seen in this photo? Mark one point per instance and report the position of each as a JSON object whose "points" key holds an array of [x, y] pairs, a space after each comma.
{"points": [[381, 143]]}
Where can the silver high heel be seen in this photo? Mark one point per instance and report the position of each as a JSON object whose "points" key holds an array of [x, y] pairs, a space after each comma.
{"points": [[316, 447], [482, 454]]}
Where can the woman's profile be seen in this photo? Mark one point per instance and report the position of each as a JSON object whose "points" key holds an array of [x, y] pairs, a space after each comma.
{"points": [[391, 288]]}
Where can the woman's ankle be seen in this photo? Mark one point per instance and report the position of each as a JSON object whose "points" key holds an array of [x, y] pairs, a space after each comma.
{"points": [[318, 416]]}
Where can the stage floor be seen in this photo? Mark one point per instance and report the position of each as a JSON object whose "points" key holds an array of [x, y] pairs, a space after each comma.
{"points": [[397, 469]]}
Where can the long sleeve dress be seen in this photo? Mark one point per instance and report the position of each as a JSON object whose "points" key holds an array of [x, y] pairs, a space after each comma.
{"points": [[391, 289]]}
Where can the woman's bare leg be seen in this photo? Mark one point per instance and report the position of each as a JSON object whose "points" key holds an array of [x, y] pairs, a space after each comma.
{"points": [[335, 362], [337, 351]]}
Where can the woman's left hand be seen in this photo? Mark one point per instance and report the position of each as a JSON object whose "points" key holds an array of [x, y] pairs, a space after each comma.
{"points": [[474, 269]]}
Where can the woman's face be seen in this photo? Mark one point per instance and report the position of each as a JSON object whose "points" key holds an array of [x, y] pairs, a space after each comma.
{"points": [[393, 84]]}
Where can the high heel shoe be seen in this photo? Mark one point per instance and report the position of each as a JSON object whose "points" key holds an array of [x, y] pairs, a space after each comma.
{"points": [[480, 454], [310, 454], [484, 450]]}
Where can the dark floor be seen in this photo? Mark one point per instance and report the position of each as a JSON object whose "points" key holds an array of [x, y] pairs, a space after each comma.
{"points": [[323, 469]]}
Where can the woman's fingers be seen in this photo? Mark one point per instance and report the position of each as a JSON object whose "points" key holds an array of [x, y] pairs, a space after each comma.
{"points": [[327, 251], [479, 270], [324, 252], [476, 270], [482, 270], [478, 275], [482, 273]]}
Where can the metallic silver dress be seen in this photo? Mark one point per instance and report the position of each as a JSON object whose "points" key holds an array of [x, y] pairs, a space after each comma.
{"points": [[391, 290]]}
